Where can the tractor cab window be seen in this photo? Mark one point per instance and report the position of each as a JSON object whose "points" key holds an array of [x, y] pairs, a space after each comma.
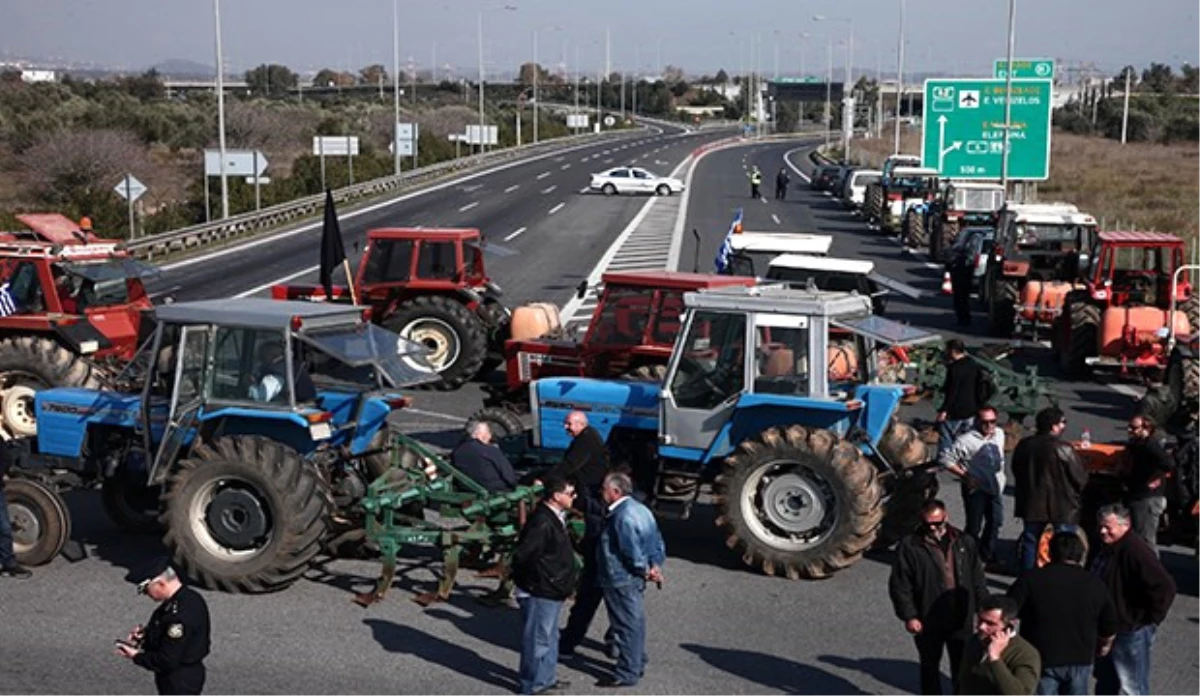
{"points": [[623, 317], [1144, 272], [389, 261], [711, 364], [25, 288], [781, 354], [250, 365], [437, 261], [189, 381], [666, 323]]}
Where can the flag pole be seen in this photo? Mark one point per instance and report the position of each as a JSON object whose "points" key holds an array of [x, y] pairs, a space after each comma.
{"points": [[349, 281]]}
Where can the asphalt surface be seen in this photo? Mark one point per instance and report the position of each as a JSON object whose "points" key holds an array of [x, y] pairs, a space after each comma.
{"points": [[716, 627]]}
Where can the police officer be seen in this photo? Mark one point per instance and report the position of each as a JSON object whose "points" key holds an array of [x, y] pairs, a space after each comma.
{"points": [[755, 182], [176, 641], [781, 184]]}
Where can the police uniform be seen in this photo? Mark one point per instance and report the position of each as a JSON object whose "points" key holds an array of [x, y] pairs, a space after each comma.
{"points": [[176, 640]]}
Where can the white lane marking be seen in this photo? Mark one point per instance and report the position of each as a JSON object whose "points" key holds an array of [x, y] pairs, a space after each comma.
{"points": [[762, 200], [584, 159], [776, 219], [558, 159], [585, 189], [514, 235], [548, 190], [435, 414], [608, 161], [1128, 390], [472, 187], [468, 206], [512, 188], [238, 248], [565, 167], [543, 175], [277, 281], [556, 208], [787, 159]]}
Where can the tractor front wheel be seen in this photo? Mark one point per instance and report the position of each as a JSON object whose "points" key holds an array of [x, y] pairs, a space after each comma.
{"points": [[29, 364], [915, 234], [455, 337], [1082, 324], [132, 507], [40, 522], [798, 501], [245, 514], [503, 421]]}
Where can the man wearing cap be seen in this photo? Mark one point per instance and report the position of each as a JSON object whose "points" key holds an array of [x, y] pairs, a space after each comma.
{"points": [[176, 641]]}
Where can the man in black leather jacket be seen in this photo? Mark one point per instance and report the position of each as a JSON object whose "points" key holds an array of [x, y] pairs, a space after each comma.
{"points": [[1049, 479]]}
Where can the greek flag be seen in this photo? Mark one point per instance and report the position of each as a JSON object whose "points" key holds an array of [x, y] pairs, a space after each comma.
{"points": [[723, 254], [8, 305]]}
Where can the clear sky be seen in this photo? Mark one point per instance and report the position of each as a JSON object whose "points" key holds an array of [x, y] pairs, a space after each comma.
{"points": [[951, 36]]}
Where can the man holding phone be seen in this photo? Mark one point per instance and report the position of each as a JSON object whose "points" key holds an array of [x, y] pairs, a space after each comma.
{"points": [[176, 641], [996, 660]]}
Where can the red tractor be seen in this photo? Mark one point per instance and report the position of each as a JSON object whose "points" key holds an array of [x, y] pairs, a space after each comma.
{"points": [[1124, 314], [429, 286], [631, 334], [71, 312]]}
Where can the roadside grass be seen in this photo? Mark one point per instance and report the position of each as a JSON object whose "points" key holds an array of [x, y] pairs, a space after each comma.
{"points": [[1137, 186]]}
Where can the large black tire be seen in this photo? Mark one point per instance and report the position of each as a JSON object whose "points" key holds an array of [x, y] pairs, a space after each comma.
{"points": [[1191, 307], [40, 521], [503, 421], [131, 507], [872, 202], [907, 491], [245, 514], [647, 373], [455, 336], [942, 238], [29, 364], [817, 512], [915, 234], [1002, 308], [1083, 325], [497, 324], [1191, 381]]}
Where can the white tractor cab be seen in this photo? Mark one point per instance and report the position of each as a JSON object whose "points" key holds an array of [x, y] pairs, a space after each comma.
{"points": [[961, 204], [753, 251], [908, 186], [838, 275], [856, 186]]}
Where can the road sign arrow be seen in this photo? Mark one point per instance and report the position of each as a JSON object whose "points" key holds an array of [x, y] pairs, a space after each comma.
{"points": [[261, 160], [130, 188]]}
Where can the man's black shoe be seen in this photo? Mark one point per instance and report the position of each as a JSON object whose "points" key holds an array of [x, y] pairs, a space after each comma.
{"points": [[16, 571], [610, 683]]}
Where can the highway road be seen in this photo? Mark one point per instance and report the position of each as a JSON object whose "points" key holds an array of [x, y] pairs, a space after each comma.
{"points": [[716, 627]]}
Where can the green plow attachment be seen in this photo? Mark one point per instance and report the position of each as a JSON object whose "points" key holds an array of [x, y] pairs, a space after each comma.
{"points": [[470, 520], [1018, 394]]}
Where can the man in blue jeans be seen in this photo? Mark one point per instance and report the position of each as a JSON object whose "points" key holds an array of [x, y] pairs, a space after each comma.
{"points": [[630, 552], [1142, 593], [977, 458], [543, 570]]}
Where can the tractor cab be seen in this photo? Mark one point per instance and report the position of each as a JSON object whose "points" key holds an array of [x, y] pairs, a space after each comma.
{"points": [[905, 188], [838, 275], [1135, 268], [753, 251], [1038, 238]]}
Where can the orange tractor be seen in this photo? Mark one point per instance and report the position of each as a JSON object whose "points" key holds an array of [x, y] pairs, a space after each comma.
{"points": [[71, 312], [1128, 308]]}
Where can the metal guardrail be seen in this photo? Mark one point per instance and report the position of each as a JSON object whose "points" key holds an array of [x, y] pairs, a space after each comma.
{"points": [[247, 224]]}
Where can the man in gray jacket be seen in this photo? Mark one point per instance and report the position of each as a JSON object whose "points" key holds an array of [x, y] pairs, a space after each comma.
{"points": [[977, 458]]}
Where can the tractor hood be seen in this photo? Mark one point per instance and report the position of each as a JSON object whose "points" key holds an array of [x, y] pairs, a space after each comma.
{"points": [[609, 404]]}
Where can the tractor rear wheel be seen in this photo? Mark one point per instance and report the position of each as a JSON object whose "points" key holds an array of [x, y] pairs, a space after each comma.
{"points": [[131, 507], [798, 501], [942, 239], [455, 337], [503, 421], [915, 234], [245, 514], [1083, 323], [872, 202], [41, 524], [647, 373], [1002, 308], [29, 364]]}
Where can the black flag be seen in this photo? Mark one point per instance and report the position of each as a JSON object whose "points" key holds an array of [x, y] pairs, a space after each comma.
{"points": [[332, 251]]}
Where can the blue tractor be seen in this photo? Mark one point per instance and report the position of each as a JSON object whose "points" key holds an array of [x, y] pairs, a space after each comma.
{"points": [[773, 401], [246, 430]]}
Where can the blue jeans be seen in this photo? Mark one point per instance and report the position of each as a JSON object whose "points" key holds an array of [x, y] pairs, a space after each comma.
{"points": [[1067, 679], [987, 511], [7, 559], [1126, 670], [1027, 546], [627, 614], [949, 430], [539, 643]]}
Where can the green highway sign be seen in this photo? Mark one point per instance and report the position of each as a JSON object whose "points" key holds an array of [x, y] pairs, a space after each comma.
{"points": [[1023, 68], [963, 128]]}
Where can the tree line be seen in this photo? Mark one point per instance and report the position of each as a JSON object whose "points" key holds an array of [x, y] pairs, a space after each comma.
{"points": [[1162, 106]]}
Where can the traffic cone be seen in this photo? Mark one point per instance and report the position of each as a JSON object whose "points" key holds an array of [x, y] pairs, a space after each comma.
{"points": [[946, 288]]}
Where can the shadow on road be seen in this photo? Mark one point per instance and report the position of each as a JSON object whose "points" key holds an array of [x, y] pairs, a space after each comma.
{"points": [[901, 674], [773, 672], [396, 638]]}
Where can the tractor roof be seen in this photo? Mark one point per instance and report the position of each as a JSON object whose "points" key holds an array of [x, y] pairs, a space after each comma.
{"points": [[53, 228], [79, 252], [780, 299], [897, 157], [902, 172], [805, 262], [975, 185], [253, 312], [673, 280], [781, 242], [1138, 239], [439, 234]]}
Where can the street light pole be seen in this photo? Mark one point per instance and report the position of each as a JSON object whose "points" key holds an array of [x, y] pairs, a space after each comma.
{"points": [[396, 87], [480, 27], [220, 113], [828, 89], [1012, 16], [899, 80], [1125, 109], [848, 86], [536, 70]]}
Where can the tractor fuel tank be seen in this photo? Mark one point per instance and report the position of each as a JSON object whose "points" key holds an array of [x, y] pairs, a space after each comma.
{"points": [[608, 404], [535, 320], [1122, 328], [1042, 301]]}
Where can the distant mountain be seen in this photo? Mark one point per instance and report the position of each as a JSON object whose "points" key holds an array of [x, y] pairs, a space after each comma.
{"points": [[177, 67]]}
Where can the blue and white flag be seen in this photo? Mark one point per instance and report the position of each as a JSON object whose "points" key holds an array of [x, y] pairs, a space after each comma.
{"points": [[8, 305], [726, 250]]}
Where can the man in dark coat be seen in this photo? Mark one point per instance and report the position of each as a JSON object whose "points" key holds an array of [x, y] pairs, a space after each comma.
{"points": [[478, 458], [543, 570], [1049, 478], [1145, 487], [960, 395], [177, 639], [936, 584], [781, 184]]}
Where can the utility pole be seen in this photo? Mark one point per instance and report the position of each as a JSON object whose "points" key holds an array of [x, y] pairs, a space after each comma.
{"points": [[899, 79], [396, 86], [480, 31], [536, 70], [220, 111], [1012, 17], [1125, 109]]}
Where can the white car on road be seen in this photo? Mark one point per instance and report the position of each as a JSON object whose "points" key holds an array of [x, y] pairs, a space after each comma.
{"points": [[634, 180]]}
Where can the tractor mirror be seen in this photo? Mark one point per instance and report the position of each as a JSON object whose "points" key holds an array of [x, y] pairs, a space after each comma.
{"points": [[581, 289]]}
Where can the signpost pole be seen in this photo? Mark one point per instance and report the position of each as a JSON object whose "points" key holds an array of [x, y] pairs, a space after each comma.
{"points": [[257, 185], [1012, 15], [1125, 109], [321, 151], [350, 160], [899, 79], [129, 200]]}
